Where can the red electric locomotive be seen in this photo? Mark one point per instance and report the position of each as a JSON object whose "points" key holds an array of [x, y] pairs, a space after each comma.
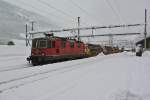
{"points": [[51, 49]]}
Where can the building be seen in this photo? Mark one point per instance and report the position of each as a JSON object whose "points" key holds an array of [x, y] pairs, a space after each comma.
{"points": [[142, 42]]}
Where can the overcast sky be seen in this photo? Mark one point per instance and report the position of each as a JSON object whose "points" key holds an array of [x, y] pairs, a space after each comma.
{"points": [[92, 12]]}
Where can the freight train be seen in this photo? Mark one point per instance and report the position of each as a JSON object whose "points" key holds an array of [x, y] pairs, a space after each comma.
{"points": [[51, 49]]}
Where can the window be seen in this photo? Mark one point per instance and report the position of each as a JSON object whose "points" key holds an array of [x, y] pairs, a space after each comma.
{"points": [[63, 44], [42, 43], [34, 43], [71, 43], [79, 44], [51, 44]]}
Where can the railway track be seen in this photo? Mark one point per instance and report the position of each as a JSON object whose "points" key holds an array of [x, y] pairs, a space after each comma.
{"points": [[15, 67], [35, 80], [35, 74], [59, 70], [62, 69]]}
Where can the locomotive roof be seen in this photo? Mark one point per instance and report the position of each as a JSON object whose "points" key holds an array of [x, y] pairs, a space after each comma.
{"points": [[55, 37]]}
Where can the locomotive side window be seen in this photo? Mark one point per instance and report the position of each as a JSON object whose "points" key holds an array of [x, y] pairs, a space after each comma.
{"points": [[71, 43], [63, 44], [34, 43], [79, 44], [42, 44], [51, 44]]}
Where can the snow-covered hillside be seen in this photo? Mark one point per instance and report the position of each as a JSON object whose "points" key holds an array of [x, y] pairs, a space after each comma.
{"points": [[121, 76], [13, 20]]}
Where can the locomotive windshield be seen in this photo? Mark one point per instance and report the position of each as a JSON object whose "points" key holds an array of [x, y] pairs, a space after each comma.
{"points": [[39, 43], [42, 43]]}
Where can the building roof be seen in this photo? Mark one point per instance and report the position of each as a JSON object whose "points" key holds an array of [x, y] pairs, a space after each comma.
{"points": [[141, 38]]}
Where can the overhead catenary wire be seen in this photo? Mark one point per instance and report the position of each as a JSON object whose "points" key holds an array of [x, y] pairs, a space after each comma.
{"points": [[44, 16], [61, 19], [54, 8], [114, 11], [89, 28], [112, 34], [59, 10], [148, 25], [84, 10], [118, 10], [141, 30]]}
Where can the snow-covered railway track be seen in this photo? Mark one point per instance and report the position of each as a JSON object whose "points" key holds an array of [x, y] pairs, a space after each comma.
{"points": [[15, 67], [34, 80], [21, 81], [35, 74]]}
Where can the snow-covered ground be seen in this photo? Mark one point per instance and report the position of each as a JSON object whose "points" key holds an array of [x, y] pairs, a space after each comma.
{"points": [[121, 76]]}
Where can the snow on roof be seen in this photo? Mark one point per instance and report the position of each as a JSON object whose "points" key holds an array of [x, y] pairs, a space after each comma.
{"points": [[141, 37]]}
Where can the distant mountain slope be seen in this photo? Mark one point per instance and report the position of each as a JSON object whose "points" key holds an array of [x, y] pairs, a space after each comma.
{"points": [[13, 20]]}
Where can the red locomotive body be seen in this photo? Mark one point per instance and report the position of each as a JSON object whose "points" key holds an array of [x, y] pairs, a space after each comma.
{"points": [[51, 49]]}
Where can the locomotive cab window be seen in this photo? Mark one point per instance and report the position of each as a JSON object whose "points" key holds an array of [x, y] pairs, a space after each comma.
{"points": [[71, 43], [42, 43]]}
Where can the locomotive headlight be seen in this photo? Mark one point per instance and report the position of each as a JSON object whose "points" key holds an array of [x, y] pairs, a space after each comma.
{"points": [[32, 54], [43, 54]]}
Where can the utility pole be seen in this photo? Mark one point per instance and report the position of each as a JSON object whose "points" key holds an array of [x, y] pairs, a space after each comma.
{"points": [[78, 28], [145, 29], [26, 35]]}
